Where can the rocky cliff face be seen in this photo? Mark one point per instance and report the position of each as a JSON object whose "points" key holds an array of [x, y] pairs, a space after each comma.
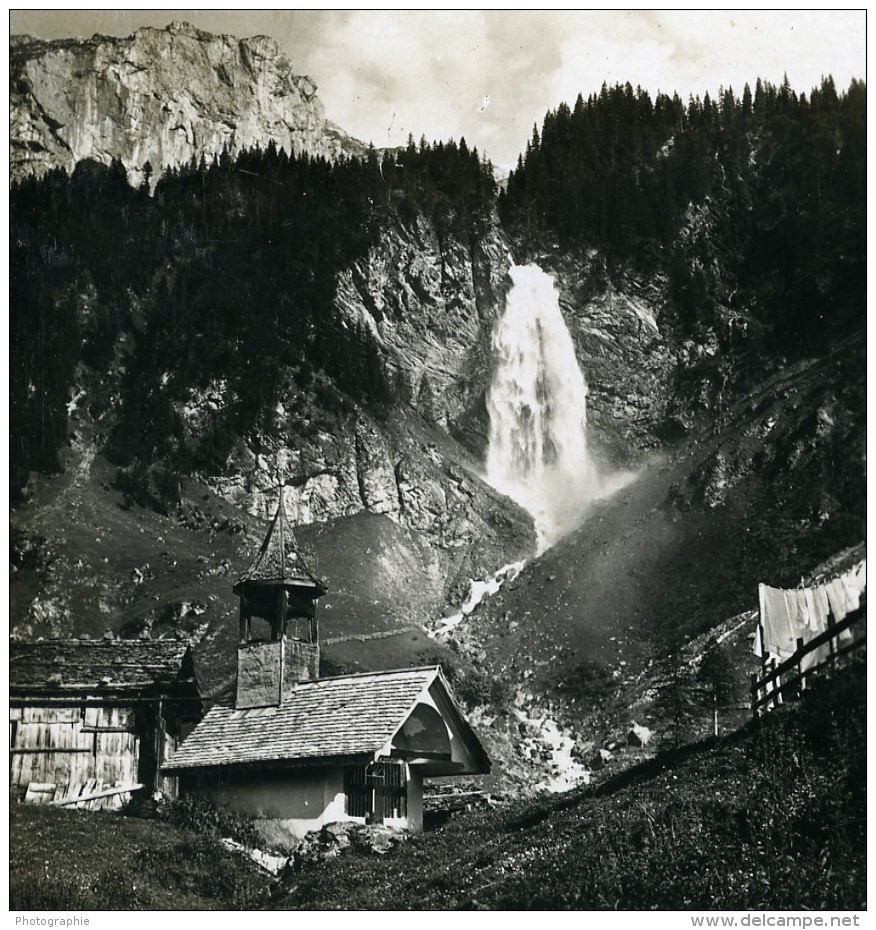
{"points": [[650, 383], [389, 490], [623, 345], [431, 305], [165, 96], [404, 469], [162, 96]]}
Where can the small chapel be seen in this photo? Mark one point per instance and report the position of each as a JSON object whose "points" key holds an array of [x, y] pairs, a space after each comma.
{"points": [[293, 751]]}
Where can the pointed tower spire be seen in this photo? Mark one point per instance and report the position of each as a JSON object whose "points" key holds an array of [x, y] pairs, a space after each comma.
{"points": [[279, 560]]}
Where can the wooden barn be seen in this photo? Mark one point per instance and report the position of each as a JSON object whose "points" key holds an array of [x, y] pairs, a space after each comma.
{"points": [[294, 751], [91, 721]]}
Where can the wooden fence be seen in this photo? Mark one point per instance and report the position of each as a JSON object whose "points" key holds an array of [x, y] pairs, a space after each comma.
{"points": [[788, 679]]}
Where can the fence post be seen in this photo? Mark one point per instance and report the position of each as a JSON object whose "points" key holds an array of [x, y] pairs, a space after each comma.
{"points": [[755, 695], [831, 623], [777, 685], [800, 672]]}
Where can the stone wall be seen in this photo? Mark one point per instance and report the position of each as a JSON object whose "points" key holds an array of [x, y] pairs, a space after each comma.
{"points": [[259, 670], [264, 668], [301, 663]]}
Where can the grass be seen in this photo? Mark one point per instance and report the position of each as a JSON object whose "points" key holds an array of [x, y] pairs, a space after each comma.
{"points": [[76, 860], [771, 817]]}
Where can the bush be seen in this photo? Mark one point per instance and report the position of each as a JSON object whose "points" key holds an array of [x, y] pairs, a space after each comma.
{"points": [[472, 684], [200, 815], [501, 693], [329, 667], [474, 688]]}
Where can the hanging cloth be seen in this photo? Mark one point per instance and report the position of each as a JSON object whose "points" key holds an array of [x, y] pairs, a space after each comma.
{"points": [[836, 597], [822, 605], [816, 657], [814, 620], [779, 613], [853, 592], [849, 583], [758, 642], [802, 609], [787, 615], [861, 576]]}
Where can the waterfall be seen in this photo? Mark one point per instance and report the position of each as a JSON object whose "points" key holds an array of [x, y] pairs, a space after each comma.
{"points": [[537, 403]]}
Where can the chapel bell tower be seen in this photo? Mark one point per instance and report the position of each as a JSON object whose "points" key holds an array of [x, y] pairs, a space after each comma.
{"points": [[279, 627]]}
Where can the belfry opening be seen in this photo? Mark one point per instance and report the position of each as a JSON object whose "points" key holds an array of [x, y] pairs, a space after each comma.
{"points": [[279, 619]]}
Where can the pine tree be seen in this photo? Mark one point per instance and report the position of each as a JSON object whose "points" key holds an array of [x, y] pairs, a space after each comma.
{"points": [[675, 698], [746, 105], [145, 185]]}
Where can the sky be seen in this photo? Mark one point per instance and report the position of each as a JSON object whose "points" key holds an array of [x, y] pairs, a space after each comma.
{"points": [[490, 75]]}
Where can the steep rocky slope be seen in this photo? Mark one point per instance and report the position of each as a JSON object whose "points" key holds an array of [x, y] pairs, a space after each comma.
{"points": [[432, 303], [444, 524], [395, 508], [430, 307], [162, 96], [401, 467], [422, 301], [89, 560]]}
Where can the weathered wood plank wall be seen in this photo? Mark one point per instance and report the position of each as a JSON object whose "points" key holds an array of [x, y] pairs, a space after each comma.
{"points": [[68, 747]]}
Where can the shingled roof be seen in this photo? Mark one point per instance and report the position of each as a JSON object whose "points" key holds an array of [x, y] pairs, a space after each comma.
{"points": [[63, 666], [349, 716], [279, 559]]}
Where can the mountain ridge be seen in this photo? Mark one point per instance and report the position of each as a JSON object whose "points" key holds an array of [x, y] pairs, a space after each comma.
{"points": [[165, 96]]}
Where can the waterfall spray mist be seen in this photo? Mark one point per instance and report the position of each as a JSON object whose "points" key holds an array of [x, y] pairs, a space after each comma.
{"points": [[537, 403]]}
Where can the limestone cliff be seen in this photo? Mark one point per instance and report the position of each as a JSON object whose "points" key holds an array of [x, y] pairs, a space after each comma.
{"points": [[404, 469], [431, 305], [162, 96]]}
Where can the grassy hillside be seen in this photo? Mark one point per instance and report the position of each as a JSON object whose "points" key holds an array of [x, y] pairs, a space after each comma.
{"points": [[770, 817], [77, 860], [97, 562]]}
